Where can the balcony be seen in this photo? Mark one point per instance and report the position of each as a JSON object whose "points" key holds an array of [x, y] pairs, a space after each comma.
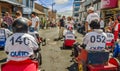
{"points": [[13, 2], [88, 2]]}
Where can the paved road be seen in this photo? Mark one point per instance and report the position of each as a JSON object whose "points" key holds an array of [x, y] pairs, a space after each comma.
{"points": [[54, 59]]}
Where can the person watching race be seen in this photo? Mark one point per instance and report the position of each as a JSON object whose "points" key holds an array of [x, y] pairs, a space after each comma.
{"points": [[91, 16], [20, 46]]}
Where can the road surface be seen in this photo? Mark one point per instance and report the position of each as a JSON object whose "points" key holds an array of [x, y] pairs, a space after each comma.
{"points": [[53, 58]]}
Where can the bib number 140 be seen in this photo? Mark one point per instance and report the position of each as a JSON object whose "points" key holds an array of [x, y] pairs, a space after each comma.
{"points": [[97, 38], [20, 40]]}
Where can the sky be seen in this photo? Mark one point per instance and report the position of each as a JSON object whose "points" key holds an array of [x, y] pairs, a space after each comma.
{"points": [[60, 5]]}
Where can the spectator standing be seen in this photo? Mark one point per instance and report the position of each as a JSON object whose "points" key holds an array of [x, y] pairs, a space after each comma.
{"points": [[102, 24], [111, 22], [8, 19], [1, 20], [35, 22], [18, 15], [61, 27], [116, 29], [91, 16]]}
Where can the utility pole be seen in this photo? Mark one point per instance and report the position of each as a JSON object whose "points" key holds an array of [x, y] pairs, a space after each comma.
{"points": [[53, 3]]}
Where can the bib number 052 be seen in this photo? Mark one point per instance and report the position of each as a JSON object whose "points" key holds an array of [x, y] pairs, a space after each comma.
{"points": [[97, 38]]}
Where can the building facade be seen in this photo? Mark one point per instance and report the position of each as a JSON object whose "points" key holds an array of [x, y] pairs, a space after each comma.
{"points": [[41, 10], [76, 7], [105, 9], [85, 5], [110, 9], [28, 7], [10, 6], [52, 15]]}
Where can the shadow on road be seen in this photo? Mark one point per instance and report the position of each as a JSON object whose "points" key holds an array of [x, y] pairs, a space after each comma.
{"points": [[65, 48], [3, 60], [73, 67], [1, 49]]}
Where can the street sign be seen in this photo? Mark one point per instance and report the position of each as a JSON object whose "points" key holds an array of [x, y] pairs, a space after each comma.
{"points": [[27, 10], [109, 4]]}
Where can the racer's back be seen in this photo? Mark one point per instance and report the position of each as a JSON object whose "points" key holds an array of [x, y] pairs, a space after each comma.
{"points": [[95, 41], [20, 46], [69, 35]]}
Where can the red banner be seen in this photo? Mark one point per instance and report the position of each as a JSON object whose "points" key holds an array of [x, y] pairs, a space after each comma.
{"points": [[109, 4]]}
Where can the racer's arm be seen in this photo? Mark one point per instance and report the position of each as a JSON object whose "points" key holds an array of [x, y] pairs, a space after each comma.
{"points": [[34, 44], [115, 52], [86, 24], [86, 27], [6, 47], [8, 32], [85, 41]]}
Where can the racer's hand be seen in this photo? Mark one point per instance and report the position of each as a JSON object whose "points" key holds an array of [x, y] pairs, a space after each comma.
{"points": [[83, 46]]}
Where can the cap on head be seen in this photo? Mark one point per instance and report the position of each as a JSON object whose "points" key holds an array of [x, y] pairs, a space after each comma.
{"points": [[90, 9]]}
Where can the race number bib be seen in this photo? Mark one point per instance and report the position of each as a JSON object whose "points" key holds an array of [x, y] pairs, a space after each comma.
{"points": [[110, 37], [98, 41], [97, 38], [20, 40], [2, 35], [69, 36]]}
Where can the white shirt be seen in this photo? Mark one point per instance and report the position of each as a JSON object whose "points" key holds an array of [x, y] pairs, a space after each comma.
{"points": [[90, 17], [34, 20], [5, 32], [102, 24], [69, 35], [34, 34], [95, 41], [110, 37], [110, 23], [20, 46]]}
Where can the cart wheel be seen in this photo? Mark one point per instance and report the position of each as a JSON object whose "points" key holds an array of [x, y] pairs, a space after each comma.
{"points": [[44, 42], [39, 58], [63, 46]]}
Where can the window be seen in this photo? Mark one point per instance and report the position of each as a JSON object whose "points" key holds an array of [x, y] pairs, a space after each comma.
{"points": [[27, 3], [95, 6], [77, 4], [77, 0], [99, 5], [31, 4], [76, 14], [76, 9]]}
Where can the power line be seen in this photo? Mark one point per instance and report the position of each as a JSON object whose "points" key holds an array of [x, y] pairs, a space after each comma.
{"points": [[42, 3], [47, 2]]}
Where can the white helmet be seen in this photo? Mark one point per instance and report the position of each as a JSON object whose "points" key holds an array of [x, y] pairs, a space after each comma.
{"points": [[90, 8]]}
